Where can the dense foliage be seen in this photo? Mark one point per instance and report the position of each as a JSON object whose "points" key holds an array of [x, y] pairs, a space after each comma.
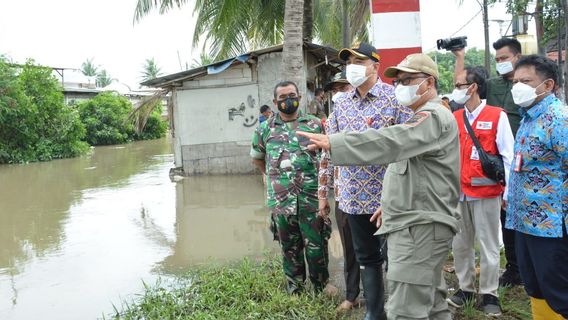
{"points": [[35, 124], [106, 119], [446, 62]]}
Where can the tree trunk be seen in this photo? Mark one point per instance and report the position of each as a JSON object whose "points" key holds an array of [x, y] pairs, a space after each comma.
{"points": [[539, 22], [345, 24], [293, 53], [486, 31], [308, 20]]}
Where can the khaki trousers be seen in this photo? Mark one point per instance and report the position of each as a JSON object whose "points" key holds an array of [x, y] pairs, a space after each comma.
{"points": [[479, 219], [416, 287]]}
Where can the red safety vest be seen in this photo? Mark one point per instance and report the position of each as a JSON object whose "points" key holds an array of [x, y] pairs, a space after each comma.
{"points": [[473, 182]]}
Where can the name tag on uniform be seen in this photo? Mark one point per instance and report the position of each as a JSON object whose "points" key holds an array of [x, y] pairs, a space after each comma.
{"points": [[474, 154], [518, 162], [484, 125]]}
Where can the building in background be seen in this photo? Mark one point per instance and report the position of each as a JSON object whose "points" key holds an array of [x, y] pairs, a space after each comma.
{"points": [[214, 109]]}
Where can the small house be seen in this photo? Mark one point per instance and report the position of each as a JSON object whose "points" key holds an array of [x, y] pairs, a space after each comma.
{"points": [[214, 109]]}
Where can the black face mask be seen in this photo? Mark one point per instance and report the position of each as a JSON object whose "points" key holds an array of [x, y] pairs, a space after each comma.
{"points": [[288, 105]]}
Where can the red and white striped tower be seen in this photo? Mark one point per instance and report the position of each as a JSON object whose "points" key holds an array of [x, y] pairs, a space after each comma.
{"points": [[395, 30]]}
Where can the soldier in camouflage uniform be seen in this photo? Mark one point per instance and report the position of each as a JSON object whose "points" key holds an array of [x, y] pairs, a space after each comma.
{"points": [[292, 184]]}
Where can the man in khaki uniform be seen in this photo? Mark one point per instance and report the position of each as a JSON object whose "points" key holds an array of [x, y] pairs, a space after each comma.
{"points": [[421, 188]]}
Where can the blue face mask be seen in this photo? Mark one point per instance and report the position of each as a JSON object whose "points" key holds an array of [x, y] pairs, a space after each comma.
{"points": [[288, 105]]}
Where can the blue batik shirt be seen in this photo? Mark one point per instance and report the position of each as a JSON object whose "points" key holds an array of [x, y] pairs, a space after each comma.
{"points": [[538, 190]]}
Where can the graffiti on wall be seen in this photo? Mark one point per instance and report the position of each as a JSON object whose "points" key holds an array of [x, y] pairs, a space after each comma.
{"points": [[248, 112]]}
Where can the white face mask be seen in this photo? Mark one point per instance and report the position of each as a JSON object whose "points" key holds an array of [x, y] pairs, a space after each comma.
{"points": [[356, 74], [406, 95], [524, 95], [460, 96], [504, 67], [336, 96]]}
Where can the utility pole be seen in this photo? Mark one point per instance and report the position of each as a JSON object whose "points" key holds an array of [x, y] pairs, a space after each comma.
{"points": [[345, 25], [486, 32]]}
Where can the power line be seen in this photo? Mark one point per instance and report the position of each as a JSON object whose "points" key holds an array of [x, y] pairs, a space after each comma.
{"points": [[470, 20]]}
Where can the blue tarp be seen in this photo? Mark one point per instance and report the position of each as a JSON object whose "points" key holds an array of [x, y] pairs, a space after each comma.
{"points": [[221, 66]]}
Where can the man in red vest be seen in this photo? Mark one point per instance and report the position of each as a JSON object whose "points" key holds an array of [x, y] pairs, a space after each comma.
{"points": [[481, 198]]}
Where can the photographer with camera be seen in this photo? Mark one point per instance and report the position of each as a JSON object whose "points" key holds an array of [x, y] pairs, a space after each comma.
{"points": [[508, 52], [484, 133]]}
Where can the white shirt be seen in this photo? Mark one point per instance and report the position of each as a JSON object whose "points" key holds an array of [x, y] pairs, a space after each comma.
{"points": [[504, 141]]}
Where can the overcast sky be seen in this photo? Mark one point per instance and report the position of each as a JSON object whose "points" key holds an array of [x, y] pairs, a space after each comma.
{"points": [[64, 33]]}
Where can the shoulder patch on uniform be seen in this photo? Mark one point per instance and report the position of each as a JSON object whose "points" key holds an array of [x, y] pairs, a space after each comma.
{"points": [[417, 118]]}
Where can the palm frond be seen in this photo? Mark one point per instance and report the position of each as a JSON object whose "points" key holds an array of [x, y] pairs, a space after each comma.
{"points": [[143, 7], [143, 109]]}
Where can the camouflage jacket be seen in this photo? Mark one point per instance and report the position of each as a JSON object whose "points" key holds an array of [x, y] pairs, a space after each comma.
{"points": [[291, 168]]}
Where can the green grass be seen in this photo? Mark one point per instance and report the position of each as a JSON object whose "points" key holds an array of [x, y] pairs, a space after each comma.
{"points": [[248, 290], [256, 290], [514, 301]]}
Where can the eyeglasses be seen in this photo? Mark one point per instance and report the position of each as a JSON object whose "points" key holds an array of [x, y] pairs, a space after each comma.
{"points": [[460, 85], [405, 81]]}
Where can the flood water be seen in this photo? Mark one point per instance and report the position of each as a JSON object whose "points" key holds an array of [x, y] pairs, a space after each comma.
{"points": [[79, 235]]}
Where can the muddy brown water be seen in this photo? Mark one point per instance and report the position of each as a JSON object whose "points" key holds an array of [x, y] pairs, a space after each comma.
{"points": [[79, 235]]}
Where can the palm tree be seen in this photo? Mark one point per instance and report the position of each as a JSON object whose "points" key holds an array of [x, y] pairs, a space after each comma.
{"points": [[204, 59], [292, 52], [230, 27], [150, 70], [88, 68], [103, 79]]}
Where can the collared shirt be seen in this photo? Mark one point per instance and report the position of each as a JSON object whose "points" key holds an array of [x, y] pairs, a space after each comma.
{"points": [[422, 182], [358, 188], [504, 141], [499, 95], [538, 192], [291, 168]]}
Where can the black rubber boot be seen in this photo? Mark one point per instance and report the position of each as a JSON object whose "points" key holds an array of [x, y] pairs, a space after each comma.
{"points": [[374, 292]]}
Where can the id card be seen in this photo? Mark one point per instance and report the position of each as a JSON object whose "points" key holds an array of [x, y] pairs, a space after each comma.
{"points": [[518, 161], [474, 153]]}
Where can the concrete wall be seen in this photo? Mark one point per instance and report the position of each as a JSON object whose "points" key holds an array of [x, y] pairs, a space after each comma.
{"points": [[268, 76], [217, 158], [215, 117]]}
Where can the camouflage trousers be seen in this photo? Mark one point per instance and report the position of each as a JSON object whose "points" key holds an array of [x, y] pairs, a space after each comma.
{"points": [[304, 234]]}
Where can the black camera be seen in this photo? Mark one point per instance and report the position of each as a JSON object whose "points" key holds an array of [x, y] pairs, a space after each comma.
{"points": [[452, 44]]}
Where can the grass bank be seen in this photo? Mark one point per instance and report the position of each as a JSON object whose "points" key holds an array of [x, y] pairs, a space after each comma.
{"points": [[256, 290], [248, 290]]}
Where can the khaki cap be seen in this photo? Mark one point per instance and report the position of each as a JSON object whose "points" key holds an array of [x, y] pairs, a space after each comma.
{"points": [[414, 63]]}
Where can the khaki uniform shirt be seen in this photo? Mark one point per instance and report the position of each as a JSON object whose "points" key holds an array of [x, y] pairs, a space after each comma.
{"points": [[422, 182]]}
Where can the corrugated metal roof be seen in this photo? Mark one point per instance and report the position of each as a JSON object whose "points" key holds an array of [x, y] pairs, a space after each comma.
{"points": [[317, 50]]}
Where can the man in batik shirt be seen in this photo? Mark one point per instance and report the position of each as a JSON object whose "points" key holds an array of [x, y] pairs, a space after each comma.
{"points": [[538, 192], [371, 105]]}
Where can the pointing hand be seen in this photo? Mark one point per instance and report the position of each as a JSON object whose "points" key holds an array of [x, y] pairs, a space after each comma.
{"points": [[319, 141]]}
